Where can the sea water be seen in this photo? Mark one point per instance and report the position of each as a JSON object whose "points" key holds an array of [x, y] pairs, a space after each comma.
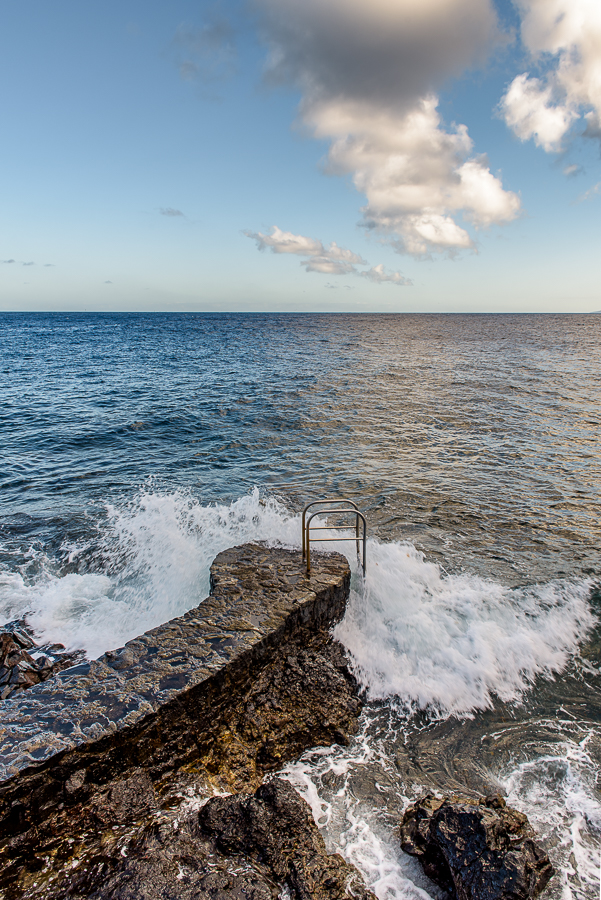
{"points": [[136, 447]]}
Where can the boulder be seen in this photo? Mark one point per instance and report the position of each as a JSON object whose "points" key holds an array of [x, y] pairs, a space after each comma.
{"points": [[274, 828], [476, 849]]}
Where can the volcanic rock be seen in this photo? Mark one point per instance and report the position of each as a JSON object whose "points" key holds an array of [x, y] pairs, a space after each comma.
{"points": [[476, 850]]}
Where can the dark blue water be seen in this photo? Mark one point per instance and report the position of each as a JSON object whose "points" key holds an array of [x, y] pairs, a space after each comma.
{"points": [[135, 446], [481, 431]]}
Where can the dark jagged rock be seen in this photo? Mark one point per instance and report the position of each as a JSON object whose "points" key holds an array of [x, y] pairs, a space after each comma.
{"points": [[275, 828], [243, 846], [476, 850], [23, 663]]}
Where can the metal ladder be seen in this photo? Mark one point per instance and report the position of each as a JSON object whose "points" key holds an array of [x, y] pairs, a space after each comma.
{"points": [[351, 508]]}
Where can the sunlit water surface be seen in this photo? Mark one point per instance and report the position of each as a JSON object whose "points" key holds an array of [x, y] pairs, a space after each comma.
{"points": [[136, 447]]}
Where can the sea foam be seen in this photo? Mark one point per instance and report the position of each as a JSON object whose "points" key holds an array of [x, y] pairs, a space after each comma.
{"points": [[450, 642], [431, 640]]}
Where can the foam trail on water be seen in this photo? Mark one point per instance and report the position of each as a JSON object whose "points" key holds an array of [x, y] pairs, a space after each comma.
{"points": [[557, 793], [450, 642], [352, 827]]}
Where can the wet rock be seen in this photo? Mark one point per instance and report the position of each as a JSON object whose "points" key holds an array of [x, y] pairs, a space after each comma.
{"points": [[100, 761], [242, 847], [305, 697], [275, 828], [24, 664], [476, 850]]}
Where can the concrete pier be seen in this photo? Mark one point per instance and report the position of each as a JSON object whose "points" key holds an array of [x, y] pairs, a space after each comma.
{"points": [[173, 700]]}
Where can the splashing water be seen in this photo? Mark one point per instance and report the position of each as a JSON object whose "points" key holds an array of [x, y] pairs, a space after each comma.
{"points": [[557, 793], [432, 640], [451, 642], [156, 552], [417, 637]]}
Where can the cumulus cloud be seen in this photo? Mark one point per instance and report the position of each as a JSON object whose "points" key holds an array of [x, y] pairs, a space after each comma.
{"points": [[384, 53], [169, 211], [415, 175], [8, 261], [328, 260], [380, 275], [28, 264], [530, 111], [369, 73], [564, 38]]}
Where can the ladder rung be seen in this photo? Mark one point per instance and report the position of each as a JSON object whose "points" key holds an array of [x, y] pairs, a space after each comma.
{"points": [[307, 528]]}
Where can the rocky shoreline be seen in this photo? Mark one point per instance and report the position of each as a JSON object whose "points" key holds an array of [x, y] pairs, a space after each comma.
{"points": [[149, 774], [24, 663], [206, 704]]}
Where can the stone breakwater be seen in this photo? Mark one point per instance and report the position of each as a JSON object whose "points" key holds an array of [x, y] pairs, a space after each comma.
{"points": [[109, 756]]}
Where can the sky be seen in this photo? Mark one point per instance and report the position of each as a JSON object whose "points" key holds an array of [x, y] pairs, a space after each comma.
{"points": [[301, 155]]}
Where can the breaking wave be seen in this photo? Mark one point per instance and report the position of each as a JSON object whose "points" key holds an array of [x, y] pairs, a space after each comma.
{"points": [[431, 640]]}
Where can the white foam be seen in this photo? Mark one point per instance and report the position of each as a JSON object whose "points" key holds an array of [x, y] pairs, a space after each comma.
{"points": [[557, 793], [431, 640], [451, 642], [351, 827], [158, 549]]}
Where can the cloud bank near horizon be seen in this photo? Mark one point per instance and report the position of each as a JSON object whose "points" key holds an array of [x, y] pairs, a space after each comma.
{"points": [[369, 76], [327, 260]]}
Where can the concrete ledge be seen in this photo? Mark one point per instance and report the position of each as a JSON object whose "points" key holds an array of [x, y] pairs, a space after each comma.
{"points": [[150, 704]]}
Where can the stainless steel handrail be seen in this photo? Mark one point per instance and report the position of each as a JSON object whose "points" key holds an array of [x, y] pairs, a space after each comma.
{"points": [[321, 502], [352, 509]]}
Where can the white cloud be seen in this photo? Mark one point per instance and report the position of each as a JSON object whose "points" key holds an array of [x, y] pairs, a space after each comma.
{"points": [[368, 73], [331, 260], [285, 242], [593, 191], [529, 110], [380, 275], [563, 36], [328, 266], [327, 260], [414, 174]]}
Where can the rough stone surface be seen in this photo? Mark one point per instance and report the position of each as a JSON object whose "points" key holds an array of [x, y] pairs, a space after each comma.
{"points": [[476, 850], [210, 701], [241, 846], [23, 663], [275, 827]]}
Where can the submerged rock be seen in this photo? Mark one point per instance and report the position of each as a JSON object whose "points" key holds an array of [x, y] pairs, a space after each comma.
{"points": [[476, 850]]}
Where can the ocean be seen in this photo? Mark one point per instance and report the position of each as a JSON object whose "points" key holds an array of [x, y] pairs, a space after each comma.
{"points": [[135, 447]]}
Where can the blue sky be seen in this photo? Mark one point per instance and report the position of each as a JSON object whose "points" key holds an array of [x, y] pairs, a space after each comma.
{"points": [[402, 155]]}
